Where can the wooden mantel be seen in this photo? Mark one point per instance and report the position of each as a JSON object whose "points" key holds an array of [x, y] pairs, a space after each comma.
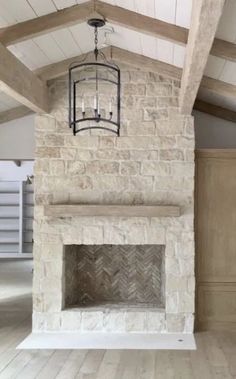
{"points": [[72, 210]]}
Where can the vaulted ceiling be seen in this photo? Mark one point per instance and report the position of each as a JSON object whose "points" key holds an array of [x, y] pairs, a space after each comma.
{"points": [[40, 45]]}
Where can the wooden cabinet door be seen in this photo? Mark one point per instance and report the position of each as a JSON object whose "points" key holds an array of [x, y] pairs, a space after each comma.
{"points": [[215, 206]]}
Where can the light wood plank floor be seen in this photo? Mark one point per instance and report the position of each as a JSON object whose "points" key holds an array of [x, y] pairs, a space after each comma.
{"points": [[215, 357]]}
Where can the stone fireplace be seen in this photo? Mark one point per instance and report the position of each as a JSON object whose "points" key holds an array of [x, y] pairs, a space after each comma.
{"points": [[116, 273]]}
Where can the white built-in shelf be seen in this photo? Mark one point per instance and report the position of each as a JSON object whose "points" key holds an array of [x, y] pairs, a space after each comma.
{"points": [[69, 210], [16, 216]]}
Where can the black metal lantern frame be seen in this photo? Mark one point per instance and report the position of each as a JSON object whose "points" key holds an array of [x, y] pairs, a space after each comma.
{"points": [[112, 122]]}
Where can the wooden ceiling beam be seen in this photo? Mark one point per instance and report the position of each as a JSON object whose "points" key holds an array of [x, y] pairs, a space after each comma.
{"points": [[45, 24], [17, 81], [117, 15], [14, 113], [215, 110], [204, 21]]}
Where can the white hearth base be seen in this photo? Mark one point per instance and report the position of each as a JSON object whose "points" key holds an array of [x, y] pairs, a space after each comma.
{"points": [[57, 340]]}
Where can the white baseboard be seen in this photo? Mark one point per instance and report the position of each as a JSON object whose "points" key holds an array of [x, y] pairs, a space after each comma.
{"points": [[95, 340]]}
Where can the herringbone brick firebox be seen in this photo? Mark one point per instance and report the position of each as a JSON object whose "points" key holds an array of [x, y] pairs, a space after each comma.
{"points": [[114, 275]]}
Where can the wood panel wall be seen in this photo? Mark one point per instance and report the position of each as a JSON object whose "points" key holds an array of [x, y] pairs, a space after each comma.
{"points": [[215, 225]]}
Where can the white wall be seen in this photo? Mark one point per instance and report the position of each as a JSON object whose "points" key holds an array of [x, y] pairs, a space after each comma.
{"points": [[17, 139], [10, 172], [214, 133]]}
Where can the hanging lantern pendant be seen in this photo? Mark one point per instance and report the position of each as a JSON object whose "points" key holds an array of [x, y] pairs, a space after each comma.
{"points": [[104, 71]]}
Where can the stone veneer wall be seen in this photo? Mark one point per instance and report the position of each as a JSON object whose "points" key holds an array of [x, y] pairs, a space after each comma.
{"points": [[152, 162]]}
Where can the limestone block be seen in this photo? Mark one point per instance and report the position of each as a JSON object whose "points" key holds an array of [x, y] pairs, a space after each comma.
{"points": [[60, 197], [189, 155], [183, 169], [47, 251], [129, 198], [186, 265], [47, 152], [54, 140], [107, 142], [52, 321], [71, 320], [172, 265], [155, 114], [75, 168], [136, 321], [92, 321], [102, 167], [189, 126], [52, 303], [38, 301], [131, 114], [138, 76], [73, 236], [186, 302], [147, 101], [81, 142], [114, 321], [39, 139], [57, 167], [110, 183], [141, 183], [85, 197], [170, 127], [175, 323], [172, 302], [167, 101], [114, 235], [175, 282], [134, 89], [136, 235], [159, 89], [170, 182], [52, 284], [171, 155], [141, 128], [38, 321], [156, 235], [63, 127], [130, 168], [59, 113], [68, 153], [156, 168], [81, 182], [93, 235], [112, 154], [167, 142], [185, 142], [156, 322], [154, 77], [53, 268], [189, 323], [191, 283], [141, 155], [84, 155], [41, 166], [185, 249], [45, 123]]}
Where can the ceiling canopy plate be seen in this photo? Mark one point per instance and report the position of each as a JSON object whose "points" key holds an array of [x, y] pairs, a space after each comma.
{"points": [[96, 22]]}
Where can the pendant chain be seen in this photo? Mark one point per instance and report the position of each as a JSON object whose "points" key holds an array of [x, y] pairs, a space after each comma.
{"points": [[96, 42]]}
